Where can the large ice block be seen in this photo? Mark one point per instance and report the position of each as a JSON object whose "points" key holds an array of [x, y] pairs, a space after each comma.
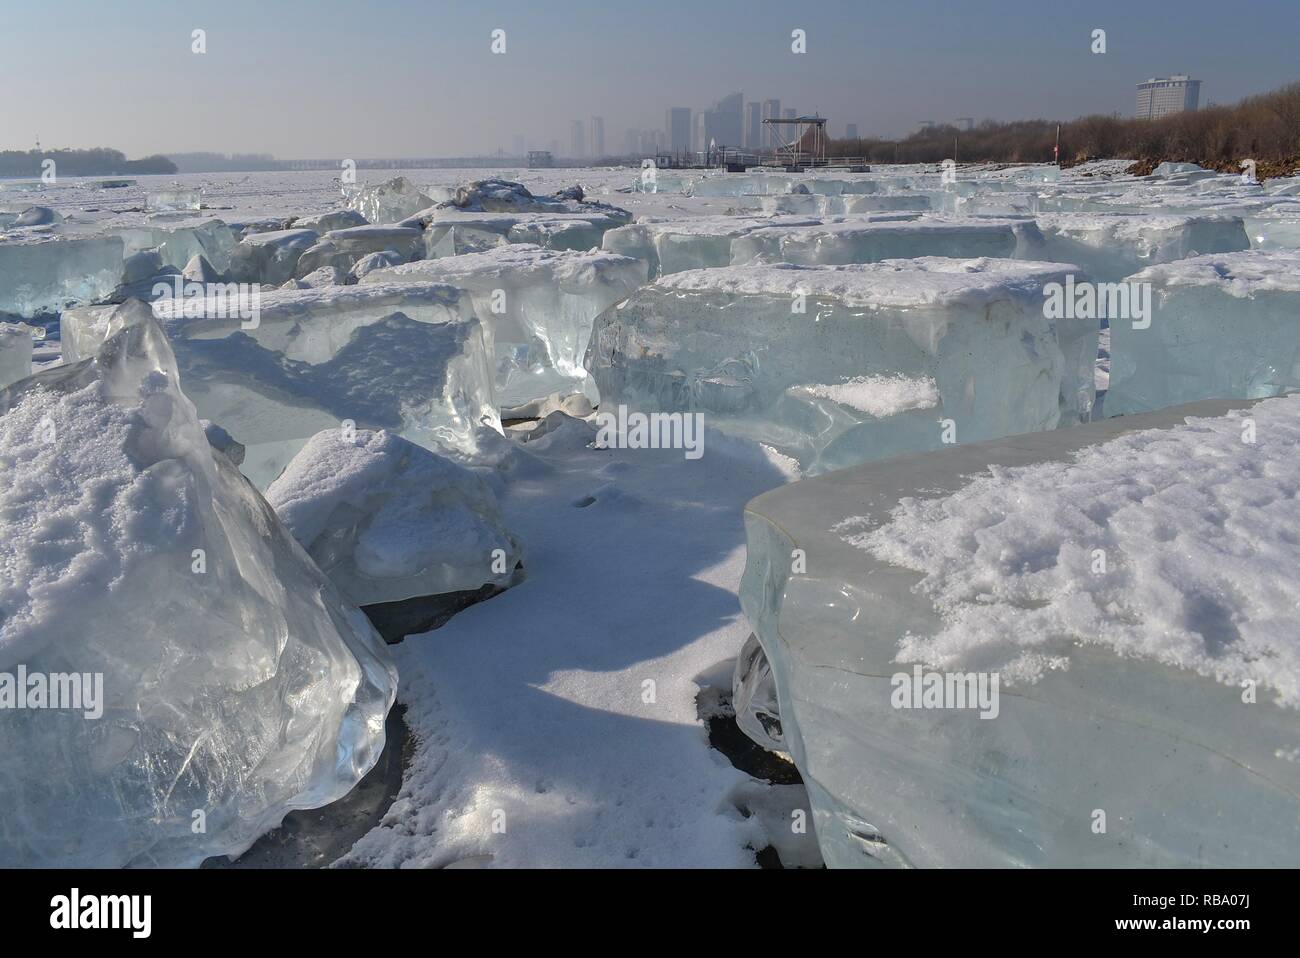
{"points": [[677, 245], [269, 257], [868, 240], [538, 305], [15, 352], [1131, 723], [390, 201], [1221, 327], [809, 359], [48, 274], [388, 520], [342, 249], [176, 198], [179, 242], [1111, 246], [452, 231], [224, 681], [409, 358], [84, 329]]}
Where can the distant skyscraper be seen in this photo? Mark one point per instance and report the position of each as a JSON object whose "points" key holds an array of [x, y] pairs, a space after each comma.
{"points": [[678, 128], [1164, 96], [753, 125], [578, 141], [723, 124], [697, 136], [851, 131], [597, 136], [771, 111]]}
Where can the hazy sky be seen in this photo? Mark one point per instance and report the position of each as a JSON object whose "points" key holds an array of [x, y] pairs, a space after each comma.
{"points": [[406, 78]]}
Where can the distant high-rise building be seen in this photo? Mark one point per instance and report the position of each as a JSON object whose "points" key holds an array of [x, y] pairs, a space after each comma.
{"points": [[771, 111], [678, 128], [597, 136], [578, 141], [1165, 96], [519, 149], [697, 136], [851, 131], [648, 143], [753, 125], [723, 125]]}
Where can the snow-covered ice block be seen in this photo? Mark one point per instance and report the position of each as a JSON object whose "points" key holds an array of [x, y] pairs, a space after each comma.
{"points": [[390, 201], [1221, 327], [388, 520], [221, 673], [15, 352], [866, 240], [269, 257], [173, 199], [538, 306], [806, 359], [342, 249], [698, 243], [50, 273], [1111, 246], [1120, 579], [409, 358]]}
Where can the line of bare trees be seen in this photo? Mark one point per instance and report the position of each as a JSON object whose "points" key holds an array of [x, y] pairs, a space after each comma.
{"points": [[1265, 128]]}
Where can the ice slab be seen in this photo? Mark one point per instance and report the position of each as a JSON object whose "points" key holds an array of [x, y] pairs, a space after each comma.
{"points": [[231, 683], [388, 520], [677, 245], [178, 243], [1187, 773], [174, 199], [48, 274], [538, 306], [806, 359], [1221, 327], [1111, 246], [409, 358], [342, 249], [16, 352], [867, 240]]}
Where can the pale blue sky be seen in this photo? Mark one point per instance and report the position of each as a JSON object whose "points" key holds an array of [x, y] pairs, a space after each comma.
{"points": [[326, 78]]}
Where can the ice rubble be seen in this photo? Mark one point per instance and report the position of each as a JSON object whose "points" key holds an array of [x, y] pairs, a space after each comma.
{"points": [[1131, 656], [45, 274], [237, 684], [179, 241], [538, 306], [410, 358], [388, 520], [1222, 326], [791, 356]]}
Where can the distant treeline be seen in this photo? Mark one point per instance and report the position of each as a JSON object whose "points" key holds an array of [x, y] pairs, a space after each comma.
{"points": [[96, 162], [1265, 128]]}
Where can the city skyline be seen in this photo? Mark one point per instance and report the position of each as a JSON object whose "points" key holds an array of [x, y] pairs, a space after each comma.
{"points": [[880, 67]]}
